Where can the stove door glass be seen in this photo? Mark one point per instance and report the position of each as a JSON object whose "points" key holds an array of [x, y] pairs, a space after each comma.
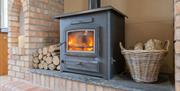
{"points": [[81, 40]]}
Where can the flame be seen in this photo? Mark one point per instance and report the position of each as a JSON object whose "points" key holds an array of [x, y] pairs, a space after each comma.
{"points": [[81, 41], [70, 42]]}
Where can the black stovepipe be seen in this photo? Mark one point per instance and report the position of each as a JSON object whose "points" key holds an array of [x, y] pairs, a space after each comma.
{"points": [[93, 4]]}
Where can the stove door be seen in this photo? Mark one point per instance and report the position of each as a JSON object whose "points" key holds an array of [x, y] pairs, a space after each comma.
{"points": [[81, 54], [82, 42]]}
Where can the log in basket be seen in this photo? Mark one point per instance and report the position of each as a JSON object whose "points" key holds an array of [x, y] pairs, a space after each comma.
{"points": [[144, 65]]}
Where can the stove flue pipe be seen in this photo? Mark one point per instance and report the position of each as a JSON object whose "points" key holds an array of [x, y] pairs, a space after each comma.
{"points": [[93, 4]]}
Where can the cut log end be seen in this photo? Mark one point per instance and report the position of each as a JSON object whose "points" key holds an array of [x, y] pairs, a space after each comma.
{"points": [[40, 66], [45, 66], [53, 48], [35, 66], [40, 51], [40, 56], [47, 58], [35, 60], [35, 54], [51, 66], [56, 60], [58, 67], [45, 51]]}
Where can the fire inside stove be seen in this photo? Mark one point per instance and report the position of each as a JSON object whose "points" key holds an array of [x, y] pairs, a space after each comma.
{"points": [[81, 40]]}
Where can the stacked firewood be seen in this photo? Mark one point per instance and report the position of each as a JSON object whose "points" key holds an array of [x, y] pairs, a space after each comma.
{"points": [[47, 58]]}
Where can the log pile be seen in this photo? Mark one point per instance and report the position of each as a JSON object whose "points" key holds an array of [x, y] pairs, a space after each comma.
{"points": [[47, 58]]}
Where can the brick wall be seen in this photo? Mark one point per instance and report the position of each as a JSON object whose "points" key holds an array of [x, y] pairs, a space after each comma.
{"points": [[59, 84], [40, 29], [177, 44]]}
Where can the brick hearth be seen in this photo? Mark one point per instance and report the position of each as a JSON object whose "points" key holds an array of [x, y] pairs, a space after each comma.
{"points": [[73, 82]]}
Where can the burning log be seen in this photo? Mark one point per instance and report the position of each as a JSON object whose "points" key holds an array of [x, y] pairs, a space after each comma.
{"points": [[47, 58]]}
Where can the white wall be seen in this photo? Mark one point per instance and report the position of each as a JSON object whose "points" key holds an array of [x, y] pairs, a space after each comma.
{"points": [[4, 13], [151, 19]]}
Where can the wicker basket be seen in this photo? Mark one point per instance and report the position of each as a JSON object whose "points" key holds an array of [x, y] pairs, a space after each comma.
{"points": [[144, 65]]}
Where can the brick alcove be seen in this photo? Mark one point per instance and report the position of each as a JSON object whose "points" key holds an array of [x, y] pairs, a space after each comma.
{"points": [[39, 29], [17, 67]]}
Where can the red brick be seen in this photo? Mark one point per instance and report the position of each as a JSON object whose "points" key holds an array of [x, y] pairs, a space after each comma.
{"points": [[52, 82], [99, 88], [63, 84], [47, 81], [177, 86], [177, 47], [75, 86], [68, 85], [90, 87], [177, 8], [57, 84]]}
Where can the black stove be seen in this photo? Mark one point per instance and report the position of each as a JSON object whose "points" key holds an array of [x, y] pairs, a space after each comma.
{"points": [[91, 41]]}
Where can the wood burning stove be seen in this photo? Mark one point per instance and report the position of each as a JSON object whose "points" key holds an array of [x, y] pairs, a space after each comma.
{"points": [[91, 42]]}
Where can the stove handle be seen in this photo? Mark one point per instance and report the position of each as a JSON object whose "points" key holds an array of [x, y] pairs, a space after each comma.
{"points": [[79, 63], [82, 21], [60, 44]]}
